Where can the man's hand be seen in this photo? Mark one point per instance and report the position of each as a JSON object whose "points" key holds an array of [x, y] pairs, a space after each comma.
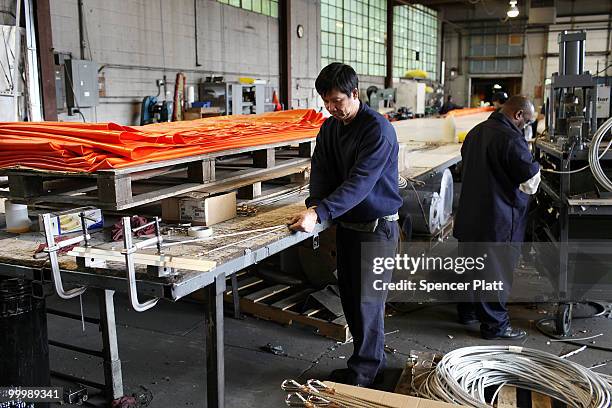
{"points": [[304, 221]]}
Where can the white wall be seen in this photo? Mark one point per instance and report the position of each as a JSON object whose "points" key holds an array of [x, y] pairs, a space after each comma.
{"points": [[598, 39], [138, 41]]}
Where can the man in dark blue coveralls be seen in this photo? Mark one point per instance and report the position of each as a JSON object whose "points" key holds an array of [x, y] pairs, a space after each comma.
{"points": [[354, 181], [499, 173]]}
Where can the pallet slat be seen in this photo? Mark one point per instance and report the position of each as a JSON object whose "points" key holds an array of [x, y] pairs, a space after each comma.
{"points": [[265, 293], [117, 189], [507, 397]]}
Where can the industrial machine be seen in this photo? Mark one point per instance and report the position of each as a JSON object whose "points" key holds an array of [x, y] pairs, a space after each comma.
{"points": [[233, 98], [411, 94], [152, 110], [573, 216], [380, 99]]}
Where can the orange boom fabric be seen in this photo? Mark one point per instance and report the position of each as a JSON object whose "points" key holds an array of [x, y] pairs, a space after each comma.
{"points": [[87, 147]]}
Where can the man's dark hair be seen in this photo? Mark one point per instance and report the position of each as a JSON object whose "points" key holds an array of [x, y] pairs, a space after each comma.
{"points": [[337, 76]]}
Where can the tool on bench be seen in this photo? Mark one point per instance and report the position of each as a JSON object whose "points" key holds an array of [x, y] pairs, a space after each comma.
{"points": [[52, 249]]}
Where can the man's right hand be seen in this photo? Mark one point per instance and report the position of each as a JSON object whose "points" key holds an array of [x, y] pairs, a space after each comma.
{"points": [[304, 221]]}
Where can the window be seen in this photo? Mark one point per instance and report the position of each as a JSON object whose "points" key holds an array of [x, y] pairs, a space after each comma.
{"points": [[267, 7], [353, 32], [494, 51], [415, 37]]}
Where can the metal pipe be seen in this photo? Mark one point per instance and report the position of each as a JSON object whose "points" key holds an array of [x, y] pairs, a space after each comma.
{"points": [[68, 315], [78, 349], [16, 56], [81, 29]]}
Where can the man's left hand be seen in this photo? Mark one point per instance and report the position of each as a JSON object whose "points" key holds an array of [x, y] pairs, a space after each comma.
{"points": [[304, 221]]}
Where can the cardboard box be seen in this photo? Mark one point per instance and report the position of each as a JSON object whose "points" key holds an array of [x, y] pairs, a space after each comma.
{"points": [[67, 222], [199, 208], [388, 399], [199, 113]]}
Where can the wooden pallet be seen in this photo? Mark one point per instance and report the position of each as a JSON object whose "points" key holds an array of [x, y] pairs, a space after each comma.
{"points": [[512, 397], [120, 189], [284, 304], [508, 397]]}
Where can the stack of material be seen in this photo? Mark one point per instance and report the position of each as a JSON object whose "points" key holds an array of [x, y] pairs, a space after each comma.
{"points": [[87, 147], [449, 129]]}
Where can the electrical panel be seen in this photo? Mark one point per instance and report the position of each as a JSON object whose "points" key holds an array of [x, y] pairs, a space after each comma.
{"points": [[81, 83]]}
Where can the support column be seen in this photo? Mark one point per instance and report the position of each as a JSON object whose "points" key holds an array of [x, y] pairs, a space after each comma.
{"points": [[389, 76], [42, 11], [284, 39], [215, 359], [112, 364]]}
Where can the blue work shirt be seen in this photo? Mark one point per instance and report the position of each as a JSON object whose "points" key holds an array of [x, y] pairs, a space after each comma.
{"points": [[496, 160], [354, 169]]}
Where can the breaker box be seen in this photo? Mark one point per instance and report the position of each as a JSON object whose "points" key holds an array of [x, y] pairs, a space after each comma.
{"points": [[81, 83]]}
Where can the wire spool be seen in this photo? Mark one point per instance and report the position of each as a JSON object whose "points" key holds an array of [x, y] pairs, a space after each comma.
{"points": [[462, 376], [423, 207], [442, 183], [594, 155], [200, 232]]}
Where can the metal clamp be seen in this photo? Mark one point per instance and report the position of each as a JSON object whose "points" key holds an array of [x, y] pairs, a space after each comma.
{"points": [[130, 267], [52, 248]]}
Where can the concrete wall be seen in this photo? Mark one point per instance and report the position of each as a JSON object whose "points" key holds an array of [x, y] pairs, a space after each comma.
{"points": [[139, 41]]}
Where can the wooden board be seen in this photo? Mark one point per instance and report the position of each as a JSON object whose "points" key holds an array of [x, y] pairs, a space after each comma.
{"points": [[284, 304], [164, 261]]}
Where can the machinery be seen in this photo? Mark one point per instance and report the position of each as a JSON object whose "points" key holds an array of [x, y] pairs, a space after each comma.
{"points": [[411, 94], [573, 215], [154, 111], [380, 99], [234, 98]]}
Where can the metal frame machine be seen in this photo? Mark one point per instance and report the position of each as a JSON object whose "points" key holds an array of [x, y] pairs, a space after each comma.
{"points": [[573, 216]]}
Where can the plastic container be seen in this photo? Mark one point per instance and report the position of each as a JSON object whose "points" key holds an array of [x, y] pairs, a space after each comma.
{"points": [[17, 220]]}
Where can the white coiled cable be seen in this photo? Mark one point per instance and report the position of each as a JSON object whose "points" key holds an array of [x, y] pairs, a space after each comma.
{"points": [[594, 155], [462, 376]]}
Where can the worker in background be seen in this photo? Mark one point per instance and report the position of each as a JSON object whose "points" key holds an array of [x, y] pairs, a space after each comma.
{"points": [[499, 174], [449, 105], [353, 182], [498, 99]]}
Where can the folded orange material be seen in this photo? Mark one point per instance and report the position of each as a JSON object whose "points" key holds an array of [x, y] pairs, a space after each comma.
{"points": [[87, 147]]}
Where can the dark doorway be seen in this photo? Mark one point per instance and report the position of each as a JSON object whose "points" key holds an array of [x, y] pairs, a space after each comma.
{"points": [[483, 88]]}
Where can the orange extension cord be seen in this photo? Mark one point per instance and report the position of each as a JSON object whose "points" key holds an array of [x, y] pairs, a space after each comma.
{"points": [[87, 147]]}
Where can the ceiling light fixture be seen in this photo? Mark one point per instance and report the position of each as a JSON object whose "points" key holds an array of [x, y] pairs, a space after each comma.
{"points": [[513, 11]]}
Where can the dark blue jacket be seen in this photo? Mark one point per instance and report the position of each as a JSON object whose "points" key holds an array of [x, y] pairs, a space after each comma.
{"points": [[354, 169], [496, 160]]}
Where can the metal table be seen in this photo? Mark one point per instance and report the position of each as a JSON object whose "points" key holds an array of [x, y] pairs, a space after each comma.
{"points": [[16, 260]]}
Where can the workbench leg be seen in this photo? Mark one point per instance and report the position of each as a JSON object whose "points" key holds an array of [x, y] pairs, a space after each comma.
{"points": [[235, 297], [112, 365], [215, 361]]}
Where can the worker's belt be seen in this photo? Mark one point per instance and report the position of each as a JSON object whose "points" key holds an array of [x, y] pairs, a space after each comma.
{"points": [[368, 226]]}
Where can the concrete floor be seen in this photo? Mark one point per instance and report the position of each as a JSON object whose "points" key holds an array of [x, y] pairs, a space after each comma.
{"points": [[162, 349]]}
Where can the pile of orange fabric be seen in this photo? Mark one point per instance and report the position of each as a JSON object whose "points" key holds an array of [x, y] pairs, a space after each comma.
{"points": [[87, 147]]}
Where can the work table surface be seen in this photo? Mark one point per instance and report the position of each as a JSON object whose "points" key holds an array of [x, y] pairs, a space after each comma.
{"points": [[18, 249]]}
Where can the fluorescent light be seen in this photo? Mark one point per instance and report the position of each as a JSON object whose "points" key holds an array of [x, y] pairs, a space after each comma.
{"points": [[513, 11]]}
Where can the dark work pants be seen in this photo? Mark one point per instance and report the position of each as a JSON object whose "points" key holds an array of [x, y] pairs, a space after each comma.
{"points": [[364, 315], [490, 307]]}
